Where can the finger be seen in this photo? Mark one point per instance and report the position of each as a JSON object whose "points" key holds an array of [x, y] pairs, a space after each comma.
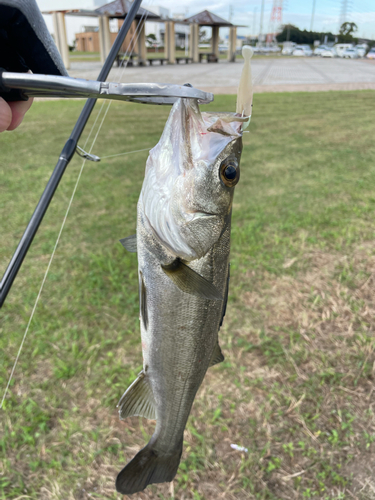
{"points": [[5, 115], [18, 109]]}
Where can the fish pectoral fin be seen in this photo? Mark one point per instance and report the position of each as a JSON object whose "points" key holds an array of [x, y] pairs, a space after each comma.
{"points": [[130, 243], [217, 356], [189, 281], [138, 400]]}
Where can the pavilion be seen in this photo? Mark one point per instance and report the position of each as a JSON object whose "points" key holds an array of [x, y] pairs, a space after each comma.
{"points": [[118, 9], [206, 18]]}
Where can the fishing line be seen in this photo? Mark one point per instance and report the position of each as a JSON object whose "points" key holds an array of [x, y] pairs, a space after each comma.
{"points": [[142, 21], [127, 153], [51, 259], [66, 216]]}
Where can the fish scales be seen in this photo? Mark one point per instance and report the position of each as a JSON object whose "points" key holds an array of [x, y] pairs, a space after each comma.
{"points": [[180, 338], [183, 245]]}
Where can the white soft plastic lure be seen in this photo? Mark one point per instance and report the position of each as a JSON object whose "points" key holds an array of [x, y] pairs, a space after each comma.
{"points": [[183, 243]]}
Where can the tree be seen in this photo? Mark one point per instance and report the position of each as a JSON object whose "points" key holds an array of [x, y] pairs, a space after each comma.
{"points": [[151, 39], [203, 36], [348, 28], [293, 34]]}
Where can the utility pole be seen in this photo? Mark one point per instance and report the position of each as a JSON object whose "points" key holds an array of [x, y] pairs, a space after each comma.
{"points": [[230, 12], [261, 24], [255, 20], [312, 15]]}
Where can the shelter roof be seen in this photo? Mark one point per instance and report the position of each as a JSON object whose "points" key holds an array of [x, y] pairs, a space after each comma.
{"points": [[207, 18], [120, 8], [74, 12]]}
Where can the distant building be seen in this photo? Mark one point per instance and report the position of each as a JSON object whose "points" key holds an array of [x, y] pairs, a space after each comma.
{"points": [[157, 29], [88, 39], [73, 24]]}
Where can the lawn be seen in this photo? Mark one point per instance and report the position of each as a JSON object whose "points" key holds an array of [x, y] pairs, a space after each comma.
{"points": [[297, 386]]}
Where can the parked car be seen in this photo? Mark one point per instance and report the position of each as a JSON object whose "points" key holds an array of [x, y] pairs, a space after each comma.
{"points": [[361, 49], [341, 47], [350, 54], [302, 50], [318, 50], [371, 54], [329, 52], [288, 48], [274, 48]]}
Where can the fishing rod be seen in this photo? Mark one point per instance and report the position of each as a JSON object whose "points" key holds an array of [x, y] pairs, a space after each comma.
{"points": [[29, 85], [63, 161]]}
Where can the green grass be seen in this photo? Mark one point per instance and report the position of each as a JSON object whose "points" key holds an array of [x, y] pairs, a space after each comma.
{"points": [[82, 56], [296, 387]]}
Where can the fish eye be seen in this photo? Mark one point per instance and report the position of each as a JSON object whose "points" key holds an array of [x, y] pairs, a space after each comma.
{"points": [[230, 172]]}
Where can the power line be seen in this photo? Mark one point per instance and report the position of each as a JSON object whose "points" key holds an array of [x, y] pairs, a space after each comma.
{"points": [[312, 15]]}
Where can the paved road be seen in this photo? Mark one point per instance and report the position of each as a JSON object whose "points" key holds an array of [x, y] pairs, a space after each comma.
{"points": [[269, 74]]}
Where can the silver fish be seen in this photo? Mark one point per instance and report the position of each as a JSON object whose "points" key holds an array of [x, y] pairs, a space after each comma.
{"points": [[183, 242]]}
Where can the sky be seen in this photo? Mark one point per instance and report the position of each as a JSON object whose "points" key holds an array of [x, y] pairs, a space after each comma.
{"points": [[245, 12]]}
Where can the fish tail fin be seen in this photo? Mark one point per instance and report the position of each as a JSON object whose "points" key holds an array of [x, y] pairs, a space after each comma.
{"points": [[148, 467]]}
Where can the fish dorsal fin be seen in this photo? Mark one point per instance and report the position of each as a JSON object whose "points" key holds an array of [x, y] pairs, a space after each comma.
{"points": [[217, 356], [130, 243], [138, 400], [189, 281]]}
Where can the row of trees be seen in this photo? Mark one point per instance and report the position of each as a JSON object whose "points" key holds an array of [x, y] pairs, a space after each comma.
{"points": [[293, 34]]}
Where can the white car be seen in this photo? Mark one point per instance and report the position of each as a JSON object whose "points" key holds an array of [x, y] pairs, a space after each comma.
{"points": [[371, 54], [307, 49], [288, 48], [318, 51], [361, 50], [350, 54], [341, 47], [287, 51], [329, 53], [302, 50]]}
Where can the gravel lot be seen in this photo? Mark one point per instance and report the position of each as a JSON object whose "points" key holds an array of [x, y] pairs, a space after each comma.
{"points": [[269, 74]]}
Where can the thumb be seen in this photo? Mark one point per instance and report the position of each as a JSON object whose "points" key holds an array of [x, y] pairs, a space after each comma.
{"points": [[18, 110], [5, 115]]}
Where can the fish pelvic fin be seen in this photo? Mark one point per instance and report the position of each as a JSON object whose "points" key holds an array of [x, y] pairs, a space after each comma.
{"points": [[147, 467], [130, 243], [138, 400], [189, 281], [217, 356]]}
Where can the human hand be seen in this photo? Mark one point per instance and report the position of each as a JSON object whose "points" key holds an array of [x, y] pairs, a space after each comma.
{"points": [[12, 113]]}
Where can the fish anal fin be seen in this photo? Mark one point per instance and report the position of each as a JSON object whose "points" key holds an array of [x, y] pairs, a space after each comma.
{"points": [[217, 356], [189, 281], [130, 243], [138, 400]]}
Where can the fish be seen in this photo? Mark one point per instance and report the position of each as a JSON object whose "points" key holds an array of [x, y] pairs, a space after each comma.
{"points": [[183, 245]]}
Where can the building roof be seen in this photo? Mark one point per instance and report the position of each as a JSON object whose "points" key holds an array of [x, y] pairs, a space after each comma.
{"points": [[74, 12], [120, 8], [206, 18]]}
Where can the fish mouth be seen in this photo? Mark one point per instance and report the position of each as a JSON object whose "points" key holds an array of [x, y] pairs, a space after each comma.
{"points": [[202, 215]]}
